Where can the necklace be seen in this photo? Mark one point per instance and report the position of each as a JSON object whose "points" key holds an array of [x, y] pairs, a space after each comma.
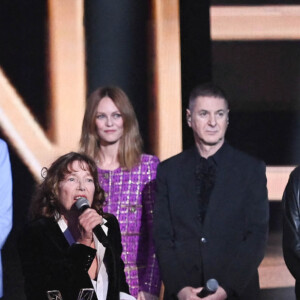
{"points": [[97, 161]]}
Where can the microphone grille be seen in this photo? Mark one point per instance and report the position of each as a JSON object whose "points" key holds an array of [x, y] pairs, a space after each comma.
{"points": [[212, 285], [81, 203]]}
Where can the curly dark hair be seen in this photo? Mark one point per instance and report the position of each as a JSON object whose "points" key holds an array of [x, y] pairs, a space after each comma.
{"points": [[45, 201]]}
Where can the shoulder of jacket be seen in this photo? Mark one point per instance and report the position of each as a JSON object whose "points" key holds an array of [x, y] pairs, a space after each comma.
{"points": [[241, 156], [186, 154], [149, 159], [2, 143], [38, 226], [110, 218], [295, 174], [3, 146]]}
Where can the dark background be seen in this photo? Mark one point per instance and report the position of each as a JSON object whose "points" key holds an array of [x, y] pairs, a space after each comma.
{"points": [[261, 80], [253, 2]]}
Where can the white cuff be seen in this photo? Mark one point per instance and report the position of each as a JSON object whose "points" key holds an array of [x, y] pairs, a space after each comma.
{"points": [[124, 296]]}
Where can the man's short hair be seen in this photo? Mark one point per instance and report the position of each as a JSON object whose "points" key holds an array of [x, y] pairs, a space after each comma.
{"points": [[207, 89]]}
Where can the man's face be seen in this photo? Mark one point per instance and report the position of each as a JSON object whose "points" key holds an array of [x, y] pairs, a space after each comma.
{"points": [[209, 120]]}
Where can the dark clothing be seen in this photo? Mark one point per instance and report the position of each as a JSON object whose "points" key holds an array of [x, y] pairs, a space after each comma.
{"points": [[229, 245], [205, 179], [49, 263], [291, 226]]}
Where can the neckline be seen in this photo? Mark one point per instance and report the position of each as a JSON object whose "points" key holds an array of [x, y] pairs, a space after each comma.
{"points": [[105, 170]]}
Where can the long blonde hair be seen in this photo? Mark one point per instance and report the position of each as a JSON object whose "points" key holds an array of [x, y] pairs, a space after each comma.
{"points": [[130, 147]]}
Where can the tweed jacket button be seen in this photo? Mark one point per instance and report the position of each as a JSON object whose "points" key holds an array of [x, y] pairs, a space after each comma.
{"points": [[132, 209], [203, 240]]}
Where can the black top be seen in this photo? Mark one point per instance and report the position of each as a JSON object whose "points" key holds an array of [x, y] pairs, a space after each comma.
{"points": [[205, 172]]}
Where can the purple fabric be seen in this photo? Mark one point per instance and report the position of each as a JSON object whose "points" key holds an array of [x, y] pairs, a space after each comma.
{"points": [[130, 197]]}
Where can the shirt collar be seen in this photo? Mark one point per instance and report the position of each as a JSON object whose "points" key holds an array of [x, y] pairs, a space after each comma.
{"points": [[217, 157]]}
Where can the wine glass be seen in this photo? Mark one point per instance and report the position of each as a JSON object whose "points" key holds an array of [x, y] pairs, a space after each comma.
{"points": [[85, 294], [54, 295]]}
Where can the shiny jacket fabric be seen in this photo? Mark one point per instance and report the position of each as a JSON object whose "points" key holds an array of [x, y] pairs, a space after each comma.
{"points": [[49, 263], [291, 226], [130, 197]]}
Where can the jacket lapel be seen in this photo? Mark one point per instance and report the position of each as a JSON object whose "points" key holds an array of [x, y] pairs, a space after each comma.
{"points": [[188, 177]]}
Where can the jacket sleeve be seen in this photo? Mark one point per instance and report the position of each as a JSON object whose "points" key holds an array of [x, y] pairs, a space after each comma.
{"points": [[250, 251], [150, 278], [6, 194], [46, 266], [291, 224], [173, 276], [114, 236]]}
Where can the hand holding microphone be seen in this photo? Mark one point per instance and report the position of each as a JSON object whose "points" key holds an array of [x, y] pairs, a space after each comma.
{"points": [[210, 288], [82, 204]]}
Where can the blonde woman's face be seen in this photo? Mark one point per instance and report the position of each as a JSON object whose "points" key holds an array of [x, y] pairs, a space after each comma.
{"points": [[109, 122]]}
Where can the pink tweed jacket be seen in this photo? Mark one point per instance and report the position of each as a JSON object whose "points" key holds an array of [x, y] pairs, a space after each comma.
{"points": [[130, 197]]}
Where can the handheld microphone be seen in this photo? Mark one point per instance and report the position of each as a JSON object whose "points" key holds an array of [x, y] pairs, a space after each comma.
{"points": [[210, 287], [82, 204]]}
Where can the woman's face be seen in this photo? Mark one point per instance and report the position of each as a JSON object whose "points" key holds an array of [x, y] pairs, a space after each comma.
{"points": [[78, 183], [109, 122]]}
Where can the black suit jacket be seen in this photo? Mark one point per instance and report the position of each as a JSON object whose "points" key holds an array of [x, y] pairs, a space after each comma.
{"points": [[49, 263], [291, 226], [230, 244]]}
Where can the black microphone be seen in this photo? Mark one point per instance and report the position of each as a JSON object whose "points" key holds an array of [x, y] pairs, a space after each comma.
{"points": [[82, 204], [210, 287]]}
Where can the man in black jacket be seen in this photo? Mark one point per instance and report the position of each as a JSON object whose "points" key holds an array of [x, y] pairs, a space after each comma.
{"points": [[211, 211], [291, 227]]}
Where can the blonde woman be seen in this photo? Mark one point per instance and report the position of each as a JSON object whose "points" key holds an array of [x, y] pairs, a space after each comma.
{"points": [[110, 134]]}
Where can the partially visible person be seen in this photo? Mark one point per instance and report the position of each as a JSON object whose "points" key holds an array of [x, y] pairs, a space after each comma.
{"points": [[110, 134], [291, 227], [58, 248], [5, 201], [211, 211]]}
